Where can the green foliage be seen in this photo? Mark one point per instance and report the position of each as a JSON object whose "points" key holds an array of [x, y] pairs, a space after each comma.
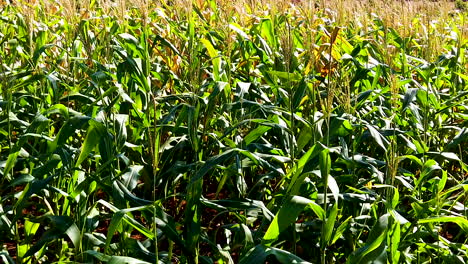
{"points": [[461, 5], [181, 136]]}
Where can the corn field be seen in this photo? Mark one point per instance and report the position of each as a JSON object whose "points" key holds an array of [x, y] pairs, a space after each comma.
{"points": [[215, 131]]}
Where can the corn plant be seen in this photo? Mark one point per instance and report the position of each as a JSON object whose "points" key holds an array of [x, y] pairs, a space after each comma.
{"points": [[253, 132]]}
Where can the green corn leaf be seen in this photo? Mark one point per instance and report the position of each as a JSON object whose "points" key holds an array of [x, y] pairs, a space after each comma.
{"points": [[442, 181], [121, 133], [395, 198], [237, 28], [67, 131], [255, 134], [462, 222], [59, 109], [395, 238], [98, 255], [268, 31], [213, 162], [47, 168], [78, 97], [325, 164], [193, 215], [134, 200], [288, 76], [112, 228], [410, 95], [38, 124], [125, 260], [463, 76], [121, 216], [398, 217], [259, 253], [462, 136], [47, 237], [379, 138], [193, 112], [167, 224], [374, 248], [130, 178], [22, 179], [129, 38], [450, 155], [239, 204], [10, 163], [7, 259], [60, 226], [329, 226], [95, 132], [463, 187], [114, 259], [333, 186], [214, 57], [305, 136], [38, 52], [30, 228], [341, 229], [429, 167], [33, 187], [318, 210], [412, 158], [286, 216]]}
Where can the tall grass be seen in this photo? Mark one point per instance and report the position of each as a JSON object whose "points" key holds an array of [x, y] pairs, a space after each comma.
{"points": [[233, 132]]}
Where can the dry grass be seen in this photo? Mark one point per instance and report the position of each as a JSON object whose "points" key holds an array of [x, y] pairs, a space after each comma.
{"points": [[396, 11], [420, 18]]}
